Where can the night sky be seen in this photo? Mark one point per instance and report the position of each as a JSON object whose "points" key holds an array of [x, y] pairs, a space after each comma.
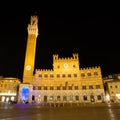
{"points": [[92, 31]]}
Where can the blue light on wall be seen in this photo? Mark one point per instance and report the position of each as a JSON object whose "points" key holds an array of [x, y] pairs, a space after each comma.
{"points": [[25, 94]]}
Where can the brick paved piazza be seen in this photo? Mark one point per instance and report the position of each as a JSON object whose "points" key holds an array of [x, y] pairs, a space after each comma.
{"points": [[101, 111]]}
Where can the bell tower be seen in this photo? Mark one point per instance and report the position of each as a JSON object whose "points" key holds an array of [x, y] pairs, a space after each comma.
{"points": [[30, 50]]}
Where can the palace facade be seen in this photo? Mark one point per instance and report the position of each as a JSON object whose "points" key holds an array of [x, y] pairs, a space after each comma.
{"points": [[65, 83]]}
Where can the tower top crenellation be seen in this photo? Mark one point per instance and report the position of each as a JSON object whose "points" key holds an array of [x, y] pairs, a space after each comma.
{"points": [[33, 26]]}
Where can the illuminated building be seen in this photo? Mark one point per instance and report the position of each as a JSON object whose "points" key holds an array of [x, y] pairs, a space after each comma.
{"points": [[9, 89], [65, 83], [112, 86]]}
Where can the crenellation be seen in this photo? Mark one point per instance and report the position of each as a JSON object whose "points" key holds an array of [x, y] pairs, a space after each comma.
{"points": [[55, 57], [86, 68], [90, 68], [34, 17], [46, 70]]}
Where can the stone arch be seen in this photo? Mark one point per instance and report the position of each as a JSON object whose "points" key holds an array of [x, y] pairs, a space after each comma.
{"points": [[58, 93], [84, 93], [85, 96], [58, 96], [76, 93], [76, 96], [64, 96], [70, 96], [51, 97], [64, 93], [70, 93], [45, 97]]}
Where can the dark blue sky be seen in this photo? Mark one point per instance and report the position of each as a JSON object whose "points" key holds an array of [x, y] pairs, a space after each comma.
{"points": [[91, 30]]}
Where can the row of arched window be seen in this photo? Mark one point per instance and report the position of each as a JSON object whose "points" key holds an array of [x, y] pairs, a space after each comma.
{"points": [[84, 87], [68, 75]]}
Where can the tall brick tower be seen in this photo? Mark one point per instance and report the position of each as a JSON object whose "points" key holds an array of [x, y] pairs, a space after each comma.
{"points": [[30, 50]]}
